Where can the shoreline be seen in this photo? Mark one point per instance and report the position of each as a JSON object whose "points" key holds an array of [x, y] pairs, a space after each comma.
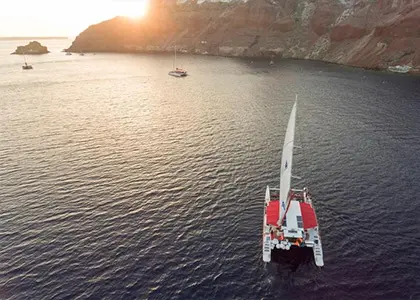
{"points": [[413, 72]]}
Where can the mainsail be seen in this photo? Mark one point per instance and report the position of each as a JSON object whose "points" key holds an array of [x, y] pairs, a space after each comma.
{"points": [[286, 162]]}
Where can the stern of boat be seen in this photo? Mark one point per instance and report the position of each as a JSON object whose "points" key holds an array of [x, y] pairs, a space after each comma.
{"points": [[299, 227]]}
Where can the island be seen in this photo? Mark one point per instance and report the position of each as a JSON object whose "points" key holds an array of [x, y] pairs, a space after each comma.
{"points": [[31, 48], [369, 34]]}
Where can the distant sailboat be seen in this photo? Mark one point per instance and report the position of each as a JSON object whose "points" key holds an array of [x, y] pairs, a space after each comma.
{"points": [[271, 61], [26, 66], [177, 72]]}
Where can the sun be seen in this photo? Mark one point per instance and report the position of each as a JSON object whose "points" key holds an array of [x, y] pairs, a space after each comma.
{"points": [[131, 8]]}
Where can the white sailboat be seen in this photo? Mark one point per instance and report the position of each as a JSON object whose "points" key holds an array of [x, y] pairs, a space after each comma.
{"points": [[271, 61], [289, 216], [177, 72], [26, 66]]}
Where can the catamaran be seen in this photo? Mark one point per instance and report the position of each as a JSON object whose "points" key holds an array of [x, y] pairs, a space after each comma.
{"points": [[177, 72], [289, 216]]}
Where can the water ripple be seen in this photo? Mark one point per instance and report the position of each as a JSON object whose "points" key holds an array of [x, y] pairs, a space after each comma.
{"points": [[118, 182]]}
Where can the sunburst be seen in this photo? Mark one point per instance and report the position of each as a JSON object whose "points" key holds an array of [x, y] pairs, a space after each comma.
{"points": [[131, 8]]}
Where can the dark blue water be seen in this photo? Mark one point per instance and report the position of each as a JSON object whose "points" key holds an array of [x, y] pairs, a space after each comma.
{"points": [[120, 182]]}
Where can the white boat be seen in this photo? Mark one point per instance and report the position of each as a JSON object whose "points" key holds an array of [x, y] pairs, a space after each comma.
{"points": [[399, 69], [177, 72], [289, 216]]}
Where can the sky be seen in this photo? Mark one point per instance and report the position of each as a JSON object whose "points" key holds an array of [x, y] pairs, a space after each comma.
{"points": [[61, 18]]}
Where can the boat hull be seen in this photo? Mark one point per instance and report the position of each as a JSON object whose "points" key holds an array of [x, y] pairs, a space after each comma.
{"points": [[177, 74], [281, 238], [400, 69]]}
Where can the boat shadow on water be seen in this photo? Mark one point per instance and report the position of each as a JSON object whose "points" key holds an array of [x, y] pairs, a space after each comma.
{"points": [[293, 258], [292, 270]]}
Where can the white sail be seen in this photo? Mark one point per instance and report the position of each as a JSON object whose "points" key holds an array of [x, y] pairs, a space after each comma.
{"points": [[286, 162]]}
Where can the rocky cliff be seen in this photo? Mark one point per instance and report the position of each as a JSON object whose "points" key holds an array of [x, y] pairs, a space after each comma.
{"points": [[363, 33]]}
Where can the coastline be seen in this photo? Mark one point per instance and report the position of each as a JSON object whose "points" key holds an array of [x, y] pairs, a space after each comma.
{"points": [[330, 32], [414, 71]]}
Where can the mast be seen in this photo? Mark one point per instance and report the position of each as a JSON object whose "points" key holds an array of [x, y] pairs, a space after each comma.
{"points": [[286, 163], [175, 58]]}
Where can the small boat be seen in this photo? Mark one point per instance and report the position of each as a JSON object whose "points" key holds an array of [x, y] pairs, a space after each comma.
{"points": [[69, 53], [289, 216], [271, 63], [399, 69], [81, 54], [26, 66], [177, 72]]}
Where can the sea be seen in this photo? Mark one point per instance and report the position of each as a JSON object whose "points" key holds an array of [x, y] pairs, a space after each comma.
{"points": [[118, 181]]}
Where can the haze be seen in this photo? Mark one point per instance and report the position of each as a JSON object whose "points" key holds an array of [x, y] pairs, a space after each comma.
{"points": [[62, 18]]}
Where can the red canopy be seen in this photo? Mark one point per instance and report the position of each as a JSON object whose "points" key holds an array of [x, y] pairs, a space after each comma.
{"points": [[273, 212], [308, 215]]}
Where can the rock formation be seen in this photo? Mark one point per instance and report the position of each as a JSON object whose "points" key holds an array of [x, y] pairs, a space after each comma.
{"points": [[31, 48], [364, 33]]}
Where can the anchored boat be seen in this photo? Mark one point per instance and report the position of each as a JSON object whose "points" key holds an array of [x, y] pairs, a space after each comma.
{"points": [[177, 72], [400, 69], [289, 216], [26, 66]]}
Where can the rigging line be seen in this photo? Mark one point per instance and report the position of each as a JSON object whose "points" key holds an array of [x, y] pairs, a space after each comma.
{"points": [[303, 160]]}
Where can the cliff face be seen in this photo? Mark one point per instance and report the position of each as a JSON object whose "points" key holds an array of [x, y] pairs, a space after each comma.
{"points": [[363, 33]]}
